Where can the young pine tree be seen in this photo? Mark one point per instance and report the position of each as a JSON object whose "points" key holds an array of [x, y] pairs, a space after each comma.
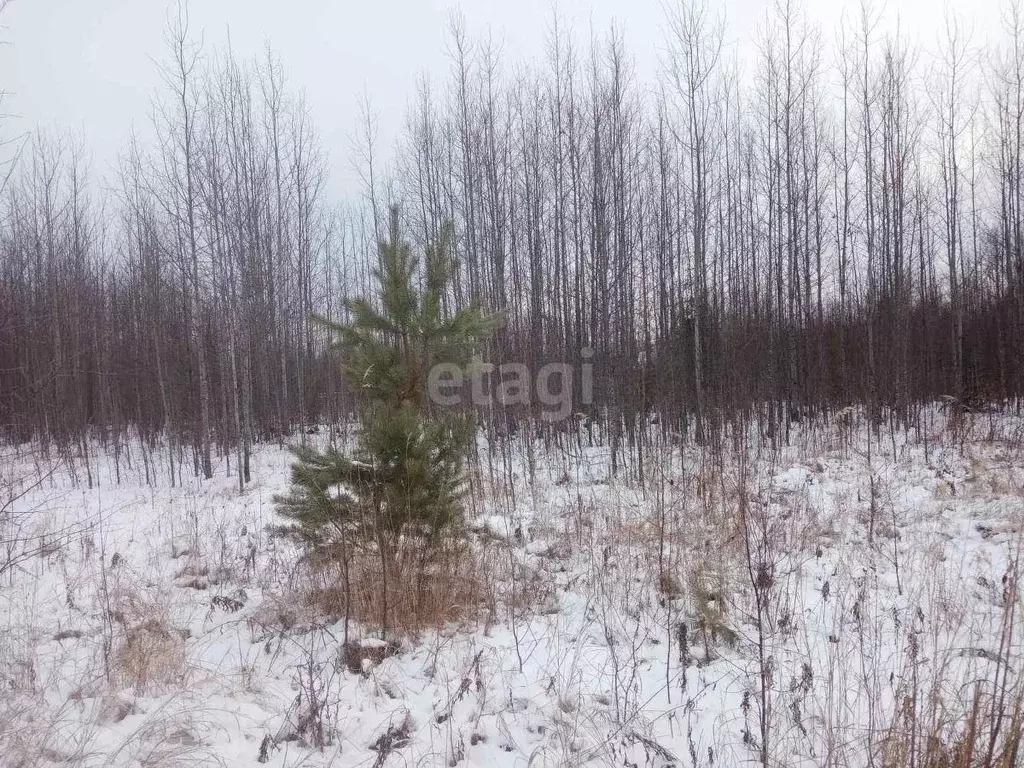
{"points": [[406, 474]]}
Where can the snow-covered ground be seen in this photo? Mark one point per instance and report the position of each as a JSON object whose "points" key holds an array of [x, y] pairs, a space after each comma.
{"points": [[158, 625]]}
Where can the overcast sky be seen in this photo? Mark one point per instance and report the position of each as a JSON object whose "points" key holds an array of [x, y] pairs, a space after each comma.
{"points": [[88, 65]]}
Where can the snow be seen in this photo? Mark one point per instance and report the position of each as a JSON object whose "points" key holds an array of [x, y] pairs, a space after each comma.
{"points": [[163, 625]]}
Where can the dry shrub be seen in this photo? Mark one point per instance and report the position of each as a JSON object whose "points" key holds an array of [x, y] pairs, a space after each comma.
{"points": [[360, 656], [171, 736], [988, 735], [148, 653], [20, 729], [524, 591], [397, 735], [709, 591], [150, 656], [32, 734], [425, 587], [278, 614], [980, 725], [669, 585]]}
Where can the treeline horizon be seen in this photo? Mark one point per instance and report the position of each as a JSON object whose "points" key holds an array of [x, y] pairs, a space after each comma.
{"points": [[844, 227]]}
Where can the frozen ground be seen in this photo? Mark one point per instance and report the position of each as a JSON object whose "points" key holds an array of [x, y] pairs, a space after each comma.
{"points": [[822, 596]]}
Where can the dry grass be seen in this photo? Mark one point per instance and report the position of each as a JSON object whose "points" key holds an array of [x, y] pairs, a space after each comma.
{"points": [[977, 725], [150, 657], [990, 734], [148, 653], [423, 589], [662, 570]]}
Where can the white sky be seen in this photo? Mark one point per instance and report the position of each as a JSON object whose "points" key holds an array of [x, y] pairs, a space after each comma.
{"points": [[87, 65]]}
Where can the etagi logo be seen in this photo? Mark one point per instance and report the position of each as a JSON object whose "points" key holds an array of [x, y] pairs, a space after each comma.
{"points": [[515, 384]]}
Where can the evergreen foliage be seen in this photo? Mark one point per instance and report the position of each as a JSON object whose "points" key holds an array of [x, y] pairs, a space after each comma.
{"points": [[406, 474]]}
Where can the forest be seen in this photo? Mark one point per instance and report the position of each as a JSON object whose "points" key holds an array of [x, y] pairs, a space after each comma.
{"points": [[835, 224], [276, 484]]}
